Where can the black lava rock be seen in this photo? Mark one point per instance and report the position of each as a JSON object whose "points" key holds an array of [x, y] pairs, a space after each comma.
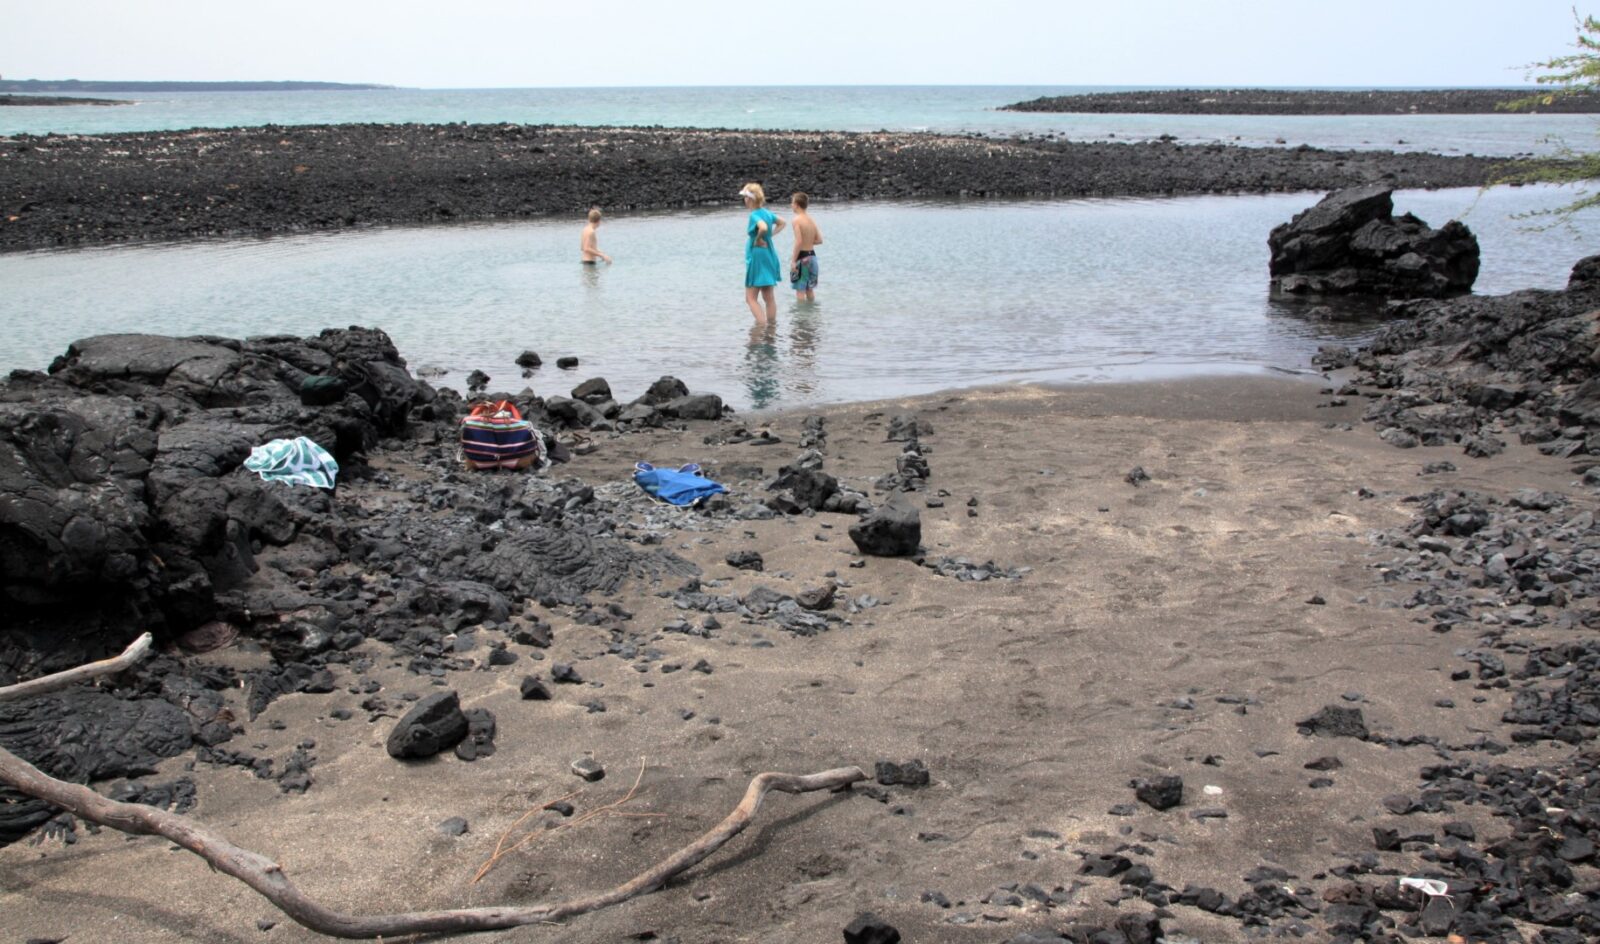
{"points": [[912, 773], [745, 560], [593, 391], [479, 741], [817, 598], [1160, 793], [695, 406], [589, 769], [666, 389], [434, 724], [1351, 243], [893, 529], [868, 928], [1104, 865], [1334, 721]]}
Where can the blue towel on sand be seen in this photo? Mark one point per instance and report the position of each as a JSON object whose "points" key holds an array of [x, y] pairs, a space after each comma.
{"points": [[683, 486]]}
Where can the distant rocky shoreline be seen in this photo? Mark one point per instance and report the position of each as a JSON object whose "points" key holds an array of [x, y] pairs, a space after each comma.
{"points": [[1281, 102], [57, 100], [72, 190]]}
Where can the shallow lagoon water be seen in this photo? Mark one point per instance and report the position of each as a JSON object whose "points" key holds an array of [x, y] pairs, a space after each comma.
{"points": [[915, 297]]}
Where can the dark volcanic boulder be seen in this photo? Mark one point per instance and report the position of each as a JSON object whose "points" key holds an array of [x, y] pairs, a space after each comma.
{"points": [[80, 735], [593, 391], [811, 488], [665, 389], [73, 503], [894, 529], [573, 412], [695, 406], [1351, 243], [436, 724], [1468, 370], [120, 469]]}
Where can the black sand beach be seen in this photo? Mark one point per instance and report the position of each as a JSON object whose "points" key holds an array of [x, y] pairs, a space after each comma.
{"points": [[1207, 660], [95, 190], [1357, 661]]}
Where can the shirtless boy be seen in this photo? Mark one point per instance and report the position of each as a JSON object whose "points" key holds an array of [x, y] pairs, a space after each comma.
{"points": [[803, 261], [590, 244]]}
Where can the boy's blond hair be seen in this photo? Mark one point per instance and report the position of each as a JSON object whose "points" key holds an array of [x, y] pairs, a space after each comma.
{"points": [[800, 200], [594, 214]]}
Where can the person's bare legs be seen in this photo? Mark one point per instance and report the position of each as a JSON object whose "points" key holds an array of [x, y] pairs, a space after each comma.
{"points": [[750, 298], [769, 295]]}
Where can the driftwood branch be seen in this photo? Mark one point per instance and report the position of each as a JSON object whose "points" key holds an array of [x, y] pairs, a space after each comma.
{"points": [[268, 878], [130, 656]]}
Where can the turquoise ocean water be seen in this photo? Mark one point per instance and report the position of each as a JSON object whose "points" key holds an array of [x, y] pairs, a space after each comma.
{"points": [[845, 108], [915, 296]]}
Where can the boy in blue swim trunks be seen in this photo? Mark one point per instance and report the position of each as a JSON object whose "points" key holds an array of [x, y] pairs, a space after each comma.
{"points": [[803, 262]]}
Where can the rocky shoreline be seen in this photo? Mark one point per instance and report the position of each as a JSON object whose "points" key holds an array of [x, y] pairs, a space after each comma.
{"points": [[1285, 102], [69, 190], [22, 100], [1219, 669]]}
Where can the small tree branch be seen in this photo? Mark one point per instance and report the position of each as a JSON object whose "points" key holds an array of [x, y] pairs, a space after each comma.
{"points": [[269, 880], [130, 656]]}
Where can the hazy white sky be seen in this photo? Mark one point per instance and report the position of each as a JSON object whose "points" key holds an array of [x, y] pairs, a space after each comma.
{"points": [[501, 43]]}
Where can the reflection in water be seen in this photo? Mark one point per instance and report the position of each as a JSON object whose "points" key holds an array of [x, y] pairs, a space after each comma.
{"points": [[1349, 320], [803, 338], [761, 365], [771, 376]]}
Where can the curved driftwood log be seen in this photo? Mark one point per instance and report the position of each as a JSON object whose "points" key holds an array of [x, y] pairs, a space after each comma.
{"points": [[267, 878], [130, 656]]}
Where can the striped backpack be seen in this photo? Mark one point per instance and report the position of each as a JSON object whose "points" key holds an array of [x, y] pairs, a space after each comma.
{"points": [[495, 436]]}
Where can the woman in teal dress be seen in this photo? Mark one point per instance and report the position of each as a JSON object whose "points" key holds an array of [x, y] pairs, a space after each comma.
{"points": [[761, 270]]}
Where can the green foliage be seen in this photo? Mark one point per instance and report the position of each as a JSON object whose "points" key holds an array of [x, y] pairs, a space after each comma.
{"points": [[1574, 74], [1577, 73]]}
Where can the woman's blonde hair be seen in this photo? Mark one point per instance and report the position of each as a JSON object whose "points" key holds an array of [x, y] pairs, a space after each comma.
{"points": [[755, 193]]}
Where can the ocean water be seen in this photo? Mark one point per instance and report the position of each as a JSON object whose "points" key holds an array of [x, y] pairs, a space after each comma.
{"points": [[915, 297], [955, 109]]}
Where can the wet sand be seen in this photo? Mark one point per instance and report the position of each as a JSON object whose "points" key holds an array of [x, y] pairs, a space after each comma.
{"points": [[1032, 702]]}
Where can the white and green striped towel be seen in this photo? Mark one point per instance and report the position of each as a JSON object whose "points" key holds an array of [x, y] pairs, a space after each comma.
{"points": [[298, 461]]}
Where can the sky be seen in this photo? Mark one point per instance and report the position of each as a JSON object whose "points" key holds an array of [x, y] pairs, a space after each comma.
{"points": [[537, 43]]}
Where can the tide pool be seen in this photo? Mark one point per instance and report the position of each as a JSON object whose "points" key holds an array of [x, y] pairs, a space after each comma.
{"points": [[915, 297]]}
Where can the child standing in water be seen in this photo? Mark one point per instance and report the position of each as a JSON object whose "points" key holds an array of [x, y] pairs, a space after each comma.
{"points": [[803, 262], [589, 245], [760, 256]]}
